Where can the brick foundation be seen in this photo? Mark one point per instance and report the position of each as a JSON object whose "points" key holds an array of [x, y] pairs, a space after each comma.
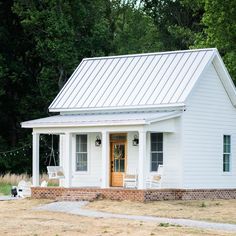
{"points": [[90, 194]]}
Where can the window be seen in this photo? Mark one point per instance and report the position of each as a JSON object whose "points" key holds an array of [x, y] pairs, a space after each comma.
{"points": [[226, 153], [81, 153], [156, 150]]}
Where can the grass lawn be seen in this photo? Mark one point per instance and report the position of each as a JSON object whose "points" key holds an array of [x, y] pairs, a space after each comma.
{"points": [[208, 210], [5, 189], [19, 218]]}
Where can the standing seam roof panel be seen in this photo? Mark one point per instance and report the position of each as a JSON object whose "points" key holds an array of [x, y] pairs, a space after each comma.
{"points": [[176, 80], [186, 69], [92, 82], [100, 83], [170, 71], [130, 85], [124, 63], [98, 97], [131, 98], [189, 74], [120, 79], [77, 83], [125, 81], [133, 80], [150, 80], [159, 78], [162, 94], [75, 97], [195, 76], [68, 85]]}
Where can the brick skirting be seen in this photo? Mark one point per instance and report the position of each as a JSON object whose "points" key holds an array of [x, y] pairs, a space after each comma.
{"points": [[90, 194]]}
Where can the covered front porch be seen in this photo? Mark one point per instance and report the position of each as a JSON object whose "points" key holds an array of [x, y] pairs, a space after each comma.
{"points": [[97, 153]]}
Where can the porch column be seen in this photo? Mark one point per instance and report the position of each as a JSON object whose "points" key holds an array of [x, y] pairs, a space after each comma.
{"points": [[142, 159], [35, 153], [105, 159], [67, 160]]}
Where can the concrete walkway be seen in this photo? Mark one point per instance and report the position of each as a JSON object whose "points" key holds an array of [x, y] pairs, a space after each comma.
{"points": [[8, 198], [76, 208]]}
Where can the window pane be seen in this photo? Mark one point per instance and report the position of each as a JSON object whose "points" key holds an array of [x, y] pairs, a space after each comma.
{"points": [[226, 162], [154, 146], [81, 143], [116, 165], [154, 137], [227, 148], [226, 154], [160, 146], [118, 137], [154, 157], [81, 162], [154, 166], [226, 167], [160, 158], [122, 165], [83, 147], [156, 150], [81, 153]]}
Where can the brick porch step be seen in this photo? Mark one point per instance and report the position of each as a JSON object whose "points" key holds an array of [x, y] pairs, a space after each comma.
{"points": [[79, 196]]}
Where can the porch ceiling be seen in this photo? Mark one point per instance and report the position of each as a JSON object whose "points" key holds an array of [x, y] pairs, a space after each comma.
{"points": [[101, 119]]}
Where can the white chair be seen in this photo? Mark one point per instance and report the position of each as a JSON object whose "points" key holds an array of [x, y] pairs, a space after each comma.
{"points": [[44, 184], [130, 179], [24, 189], [155, 179], [55, 172]]}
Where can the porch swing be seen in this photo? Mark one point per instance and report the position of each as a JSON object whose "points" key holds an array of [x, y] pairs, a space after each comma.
{"points": [[54, 172]]}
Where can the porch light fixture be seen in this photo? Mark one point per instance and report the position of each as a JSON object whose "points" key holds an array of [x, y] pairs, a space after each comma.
{"points": [[98, 141], [135, 141]]}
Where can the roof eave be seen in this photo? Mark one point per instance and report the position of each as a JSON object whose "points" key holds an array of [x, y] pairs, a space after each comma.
{"points": [[177, 106], [77, 124], [175, 115]]}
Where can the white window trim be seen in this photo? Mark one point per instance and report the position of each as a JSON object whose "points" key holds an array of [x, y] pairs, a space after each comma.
{"points": [[150, 150], [79, 172], [230, 156]]}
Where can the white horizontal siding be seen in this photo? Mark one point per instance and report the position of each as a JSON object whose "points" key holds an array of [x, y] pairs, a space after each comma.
{"points": [[93, 176], [208, 117], [172, 161]]}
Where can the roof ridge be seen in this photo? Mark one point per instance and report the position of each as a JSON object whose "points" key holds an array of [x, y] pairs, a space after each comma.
{"points": [[150, 54]]}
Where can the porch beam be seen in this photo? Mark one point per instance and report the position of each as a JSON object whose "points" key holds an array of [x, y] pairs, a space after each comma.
{"points": [[142, 159], [68, 160], [105, 159], [35, 164]]}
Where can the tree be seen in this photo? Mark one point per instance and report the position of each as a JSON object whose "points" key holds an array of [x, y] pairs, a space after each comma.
{"points": [[219, 22], [134, 29], [177, 21]]}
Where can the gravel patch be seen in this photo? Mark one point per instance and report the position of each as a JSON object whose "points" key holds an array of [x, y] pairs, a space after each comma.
{"points": [[75, 208]]}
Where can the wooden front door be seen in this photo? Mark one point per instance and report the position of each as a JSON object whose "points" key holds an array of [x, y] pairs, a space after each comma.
{"points": [[118, 161]]}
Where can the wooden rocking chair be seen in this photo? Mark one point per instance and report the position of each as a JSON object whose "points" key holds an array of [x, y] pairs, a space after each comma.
{"points": [[155, 180], [130, 179]]}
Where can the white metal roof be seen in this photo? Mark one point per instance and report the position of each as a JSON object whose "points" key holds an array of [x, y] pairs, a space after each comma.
{"points": [[141, 80], [100, 119]]}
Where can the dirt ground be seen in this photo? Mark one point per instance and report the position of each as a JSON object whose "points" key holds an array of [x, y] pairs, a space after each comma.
{"points": [[19, 218], [223, 211]]}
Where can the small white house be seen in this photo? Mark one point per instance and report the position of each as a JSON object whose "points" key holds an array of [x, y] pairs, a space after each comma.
{"points": [[135, 112]]}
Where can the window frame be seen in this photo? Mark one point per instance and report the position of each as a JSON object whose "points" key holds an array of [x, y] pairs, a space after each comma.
{"points": [[151, 152], [75, 166], [227, 153]]}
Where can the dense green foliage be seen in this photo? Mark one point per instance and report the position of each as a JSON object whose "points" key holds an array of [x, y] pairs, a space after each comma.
{"points": [[42, 42], [5, 189]]}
